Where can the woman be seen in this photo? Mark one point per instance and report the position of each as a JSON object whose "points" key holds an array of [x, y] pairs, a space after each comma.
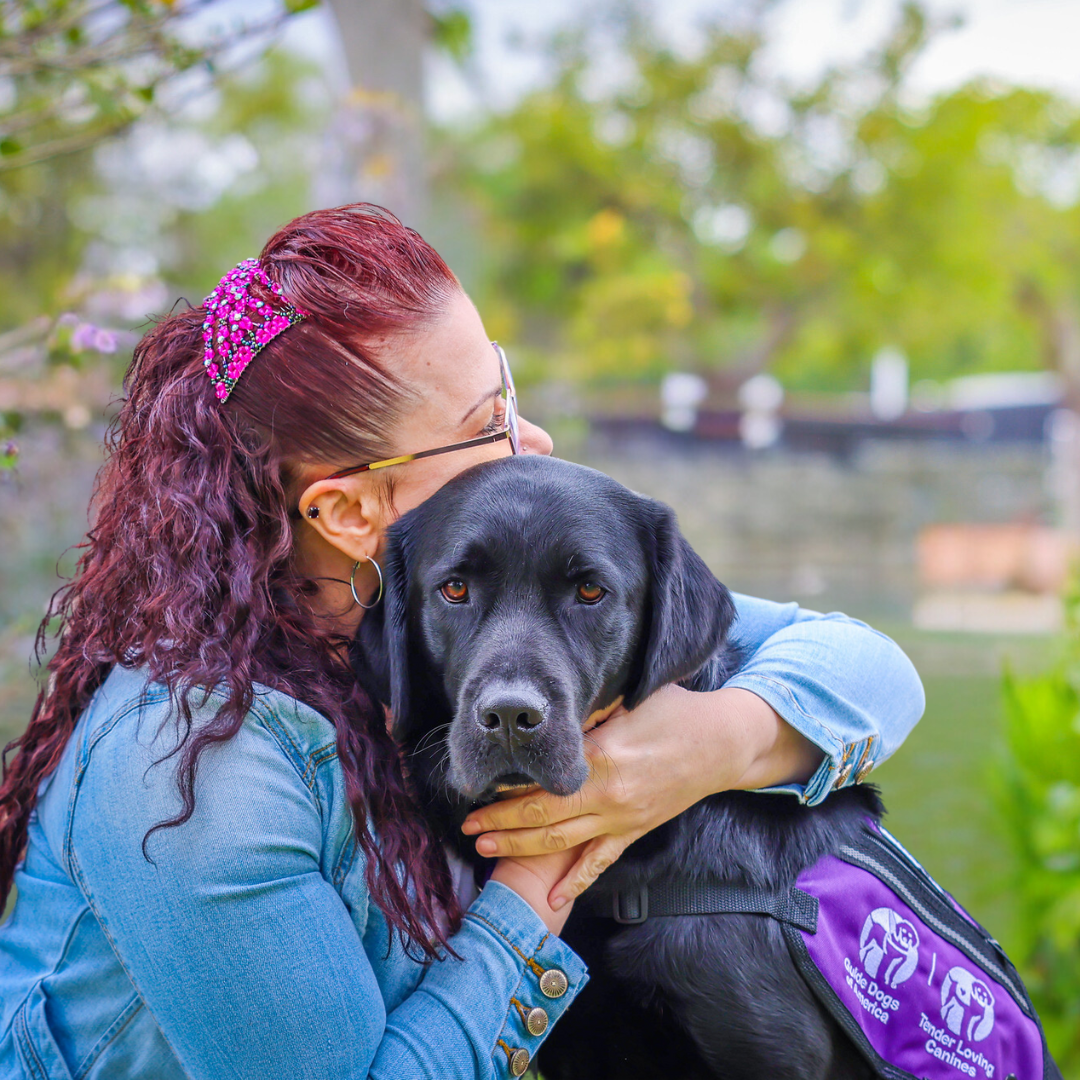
{"points": [[223, 873]]}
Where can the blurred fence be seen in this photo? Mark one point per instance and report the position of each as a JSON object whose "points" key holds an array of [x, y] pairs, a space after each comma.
{"points": [[824, 530]]}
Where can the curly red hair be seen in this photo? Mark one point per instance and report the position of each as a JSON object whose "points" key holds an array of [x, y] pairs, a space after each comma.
{"points": [[188, 569]]}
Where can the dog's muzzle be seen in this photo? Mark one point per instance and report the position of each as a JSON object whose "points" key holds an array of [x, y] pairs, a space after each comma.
{"points": [[511, 716]]}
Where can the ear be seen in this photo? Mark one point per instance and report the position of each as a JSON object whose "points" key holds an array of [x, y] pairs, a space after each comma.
{"points": [[688, 612], [346, 513], [384, 654]]}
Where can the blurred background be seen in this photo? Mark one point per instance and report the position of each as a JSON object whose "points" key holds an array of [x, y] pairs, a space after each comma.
{"points": [[807, 270]]}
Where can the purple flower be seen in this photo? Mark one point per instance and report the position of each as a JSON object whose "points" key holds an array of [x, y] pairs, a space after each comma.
{"points": [[104, 340], [82, 337]]}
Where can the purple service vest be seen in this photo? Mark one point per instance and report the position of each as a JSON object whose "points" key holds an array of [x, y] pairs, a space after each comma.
{"points": [[921, 989]]}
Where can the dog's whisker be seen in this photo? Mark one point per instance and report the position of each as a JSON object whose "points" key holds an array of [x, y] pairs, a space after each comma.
{"points": [[610, 760], [429, 737]]}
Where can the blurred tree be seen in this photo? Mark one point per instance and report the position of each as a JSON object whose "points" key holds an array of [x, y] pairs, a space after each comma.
{"points": [[76, 71], [696, 212], [378, 135], [163, 209], [75, 74], [380, 154]]}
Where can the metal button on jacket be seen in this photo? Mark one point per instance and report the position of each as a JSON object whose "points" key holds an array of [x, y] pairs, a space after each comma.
{"points": [[536, 1021], [519, 1062], [866, 762], [842, 775], [554, 983]]}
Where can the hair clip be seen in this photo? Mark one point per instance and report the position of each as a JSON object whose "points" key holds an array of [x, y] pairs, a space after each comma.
{"points": [[239, 326]]}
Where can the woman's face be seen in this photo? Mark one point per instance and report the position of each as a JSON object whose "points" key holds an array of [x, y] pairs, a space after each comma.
{"points": [[454, 373], [455, 385]]}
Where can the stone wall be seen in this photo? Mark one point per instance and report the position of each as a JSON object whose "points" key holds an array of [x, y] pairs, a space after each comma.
{"points": [[828, 532]]}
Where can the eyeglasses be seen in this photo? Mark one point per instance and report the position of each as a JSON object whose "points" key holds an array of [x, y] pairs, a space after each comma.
{"points": [[509, 430]]}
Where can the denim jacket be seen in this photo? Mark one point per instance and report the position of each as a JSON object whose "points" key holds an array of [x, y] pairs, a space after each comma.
{"points": [[250, 947], [848, 688]]}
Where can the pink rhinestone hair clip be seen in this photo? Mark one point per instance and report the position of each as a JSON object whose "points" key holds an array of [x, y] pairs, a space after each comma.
{"points": [[238, 326]]}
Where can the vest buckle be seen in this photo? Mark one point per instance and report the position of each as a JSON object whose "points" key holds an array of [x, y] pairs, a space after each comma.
{"points": [[630, 906]]}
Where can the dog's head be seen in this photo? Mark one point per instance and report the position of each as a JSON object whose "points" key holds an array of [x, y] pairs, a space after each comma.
{"points": [[522, 598]]}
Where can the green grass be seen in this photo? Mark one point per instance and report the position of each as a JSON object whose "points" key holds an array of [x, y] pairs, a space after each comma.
{"points": [[939, 803]]}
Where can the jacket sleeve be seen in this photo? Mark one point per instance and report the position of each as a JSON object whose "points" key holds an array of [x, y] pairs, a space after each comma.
{"points": [[846, 687], [245, 953]]}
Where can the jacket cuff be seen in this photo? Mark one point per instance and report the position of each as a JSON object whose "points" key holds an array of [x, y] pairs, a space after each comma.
{"points": [[551, 975], [845, 763]]}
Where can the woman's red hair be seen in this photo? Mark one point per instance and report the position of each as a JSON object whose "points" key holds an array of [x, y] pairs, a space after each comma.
{"points": [[188, 570]]}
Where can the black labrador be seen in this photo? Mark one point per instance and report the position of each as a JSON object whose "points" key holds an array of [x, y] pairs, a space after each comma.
{"points": [[525, 595]]}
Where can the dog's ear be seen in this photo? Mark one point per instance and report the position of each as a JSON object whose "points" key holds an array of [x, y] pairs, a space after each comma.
{"points": [[688, 612], [383, 654]]}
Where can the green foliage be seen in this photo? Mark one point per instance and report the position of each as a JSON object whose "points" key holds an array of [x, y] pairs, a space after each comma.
{"points": [[76, 72], [68, 225], [278, 108], [1038, 793], [452, 32], [701, 214], [74, 75]]}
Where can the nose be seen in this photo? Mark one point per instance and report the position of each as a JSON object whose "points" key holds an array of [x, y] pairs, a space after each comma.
{"points": [[534, 439], [511, 716]]}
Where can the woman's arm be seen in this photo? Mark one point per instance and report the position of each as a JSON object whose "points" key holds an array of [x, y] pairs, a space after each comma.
{"points": [[252, 962], [820, 700]]}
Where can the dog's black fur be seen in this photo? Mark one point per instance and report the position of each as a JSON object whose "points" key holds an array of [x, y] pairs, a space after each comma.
{"points": [[496, 688]]}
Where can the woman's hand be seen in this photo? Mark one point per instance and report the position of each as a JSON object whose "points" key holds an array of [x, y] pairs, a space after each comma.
{"points": [[646, 767], [533, 877]]}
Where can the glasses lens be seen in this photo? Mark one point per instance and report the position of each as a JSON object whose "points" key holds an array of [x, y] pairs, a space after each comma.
{"points": [[510, 401]]}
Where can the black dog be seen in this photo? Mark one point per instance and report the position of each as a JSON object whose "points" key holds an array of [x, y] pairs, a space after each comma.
{"points": [[524, 596]]}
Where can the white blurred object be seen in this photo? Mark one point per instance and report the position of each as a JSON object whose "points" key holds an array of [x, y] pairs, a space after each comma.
{"points": [[762, 393], [788, 245], [725, 226], [760, 424], [1011, 612], [759, 430], [889, 384], [996, 390], [681, 393]]}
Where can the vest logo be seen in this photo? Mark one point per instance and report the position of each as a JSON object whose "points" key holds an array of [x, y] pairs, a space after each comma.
{"points": [[966, 998], [889, 947]]}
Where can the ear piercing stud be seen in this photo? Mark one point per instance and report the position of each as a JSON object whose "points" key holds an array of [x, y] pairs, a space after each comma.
{"points": [[313, 512]]}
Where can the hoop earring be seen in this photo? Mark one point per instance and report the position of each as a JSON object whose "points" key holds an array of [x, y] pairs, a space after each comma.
{"points": [[352, 583]]}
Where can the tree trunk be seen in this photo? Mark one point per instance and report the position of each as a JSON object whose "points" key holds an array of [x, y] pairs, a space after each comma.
{"points": [[375, 149]]}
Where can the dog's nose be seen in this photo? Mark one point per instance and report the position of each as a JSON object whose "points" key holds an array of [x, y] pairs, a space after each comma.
{"points": [[513, 717]]}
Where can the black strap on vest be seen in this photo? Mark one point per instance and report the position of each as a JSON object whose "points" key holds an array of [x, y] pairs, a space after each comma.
{"points": [[688, 896]]}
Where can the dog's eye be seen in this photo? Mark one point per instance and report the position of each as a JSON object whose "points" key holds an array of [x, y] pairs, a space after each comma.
{"points": [[457, 592], [588, 593]]}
